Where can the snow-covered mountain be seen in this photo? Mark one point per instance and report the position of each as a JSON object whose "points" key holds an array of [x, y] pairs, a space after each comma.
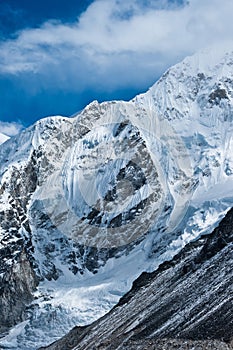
{"points": [[88, 203], [3, 138]]}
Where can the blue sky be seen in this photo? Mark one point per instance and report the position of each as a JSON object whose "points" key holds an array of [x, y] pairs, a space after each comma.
{"points": [[57, 56]]}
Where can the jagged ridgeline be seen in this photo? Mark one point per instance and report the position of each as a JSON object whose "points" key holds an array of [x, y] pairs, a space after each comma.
{"points": [[88, 203]]}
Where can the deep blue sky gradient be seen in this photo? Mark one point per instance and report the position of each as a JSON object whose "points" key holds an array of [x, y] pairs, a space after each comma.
{"points": [[18, 14], [17, 104]]}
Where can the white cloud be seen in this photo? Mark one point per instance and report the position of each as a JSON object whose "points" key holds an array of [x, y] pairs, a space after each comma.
{"points": [[118, 43], [10, 129]]}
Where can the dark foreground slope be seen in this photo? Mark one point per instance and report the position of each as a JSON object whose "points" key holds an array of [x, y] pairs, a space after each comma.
{"points": [[186, 304]]}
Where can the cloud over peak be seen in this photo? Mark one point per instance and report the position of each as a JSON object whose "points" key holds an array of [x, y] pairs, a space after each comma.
{"points": [[114, 44], [132, 29]]}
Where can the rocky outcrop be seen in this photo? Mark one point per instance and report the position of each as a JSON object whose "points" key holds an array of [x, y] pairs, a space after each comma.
{"points": [[17, 286], [190, 297], [18, 280]]}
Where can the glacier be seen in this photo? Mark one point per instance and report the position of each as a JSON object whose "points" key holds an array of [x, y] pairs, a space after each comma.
{"points": [[117, 189]]}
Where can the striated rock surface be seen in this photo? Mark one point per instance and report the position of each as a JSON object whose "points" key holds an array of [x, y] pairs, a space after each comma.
{"points": [[16, 293]]}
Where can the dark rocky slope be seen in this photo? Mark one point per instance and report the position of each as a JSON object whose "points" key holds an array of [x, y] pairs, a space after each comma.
{"points": [[189, 298], [18, 279], [16, 292]]}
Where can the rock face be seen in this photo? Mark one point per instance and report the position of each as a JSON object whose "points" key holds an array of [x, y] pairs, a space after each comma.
{"points": [[189, 298], [91, 202], [17, 287], [18, 279]]}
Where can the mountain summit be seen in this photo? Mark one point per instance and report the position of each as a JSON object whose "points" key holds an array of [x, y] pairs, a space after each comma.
{"points": [[3, 138], [88, 203]]}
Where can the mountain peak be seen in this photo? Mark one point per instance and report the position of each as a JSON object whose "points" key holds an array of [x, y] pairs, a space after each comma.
{"points": [[3, 138]]}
